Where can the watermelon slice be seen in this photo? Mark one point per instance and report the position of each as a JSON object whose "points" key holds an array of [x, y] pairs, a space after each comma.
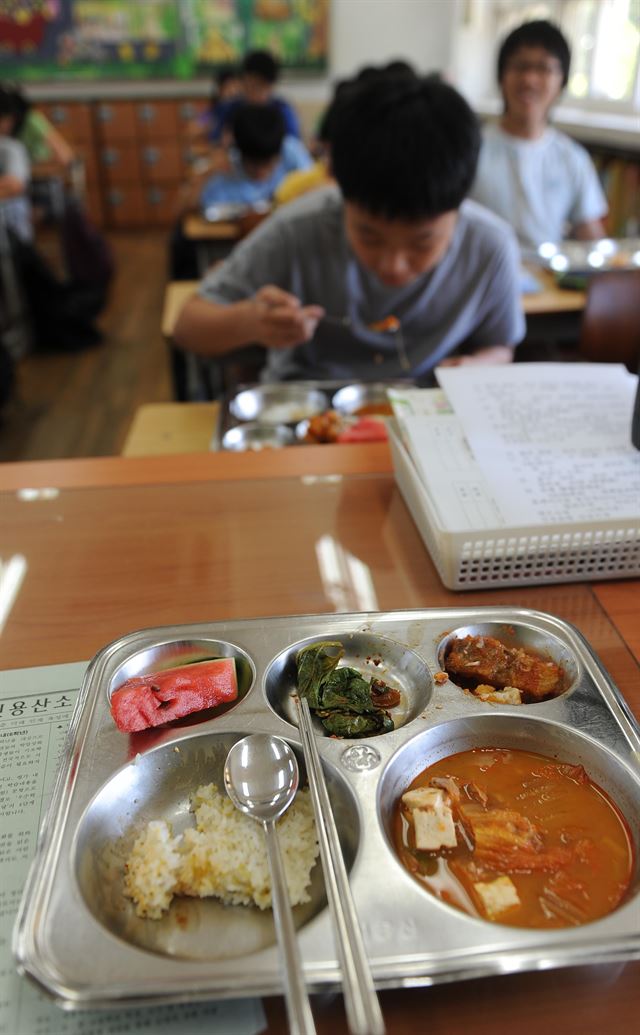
{"points": [[367, 429], [160, 697]]}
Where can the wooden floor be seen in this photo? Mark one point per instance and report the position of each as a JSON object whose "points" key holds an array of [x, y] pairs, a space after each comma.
{"points": [[82, 404]]}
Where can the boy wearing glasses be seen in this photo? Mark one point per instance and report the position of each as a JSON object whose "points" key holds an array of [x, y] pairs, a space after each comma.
{"points": [[537, 178]]}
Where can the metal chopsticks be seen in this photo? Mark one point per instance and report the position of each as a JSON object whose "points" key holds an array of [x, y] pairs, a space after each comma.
{"points": [[361, 1002]]}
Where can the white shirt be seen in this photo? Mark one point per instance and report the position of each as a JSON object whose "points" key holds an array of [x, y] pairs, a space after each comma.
{"points": [[14, 161], [541, 186]]}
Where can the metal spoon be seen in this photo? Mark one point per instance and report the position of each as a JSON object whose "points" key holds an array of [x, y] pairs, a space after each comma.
{"points": [[261, 778]]}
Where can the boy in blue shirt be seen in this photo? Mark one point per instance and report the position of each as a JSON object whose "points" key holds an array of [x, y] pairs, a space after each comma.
{"points": [[261, 156], [259, 75]]}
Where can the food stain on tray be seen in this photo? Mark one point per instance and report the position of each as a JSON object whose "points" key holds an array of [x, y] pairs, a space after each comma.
{"points": [[514, 837]]}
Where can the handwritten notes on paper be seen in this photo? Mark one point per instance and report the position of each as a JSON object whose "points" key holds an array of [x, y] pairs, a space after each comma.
{"points": [[552, 440]]}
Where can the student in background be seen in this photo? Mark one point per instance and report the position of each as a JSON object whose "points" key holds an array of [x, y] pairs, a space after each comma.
{"points": [[32, 128], [258, 76], [396, 241], [529, 173], [261, 156], [252, 168], [15, 173], [226, 87]]}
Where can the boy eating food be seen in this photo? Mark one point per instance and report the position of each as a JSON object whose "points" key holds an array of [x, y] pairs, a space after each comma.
{"points": [[318, 282]]}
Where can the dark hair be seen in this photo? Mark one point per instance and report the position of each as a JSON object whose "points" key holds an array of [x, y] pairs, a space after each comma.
{"points": [[13, 102], [404, 148], [262, 64], [220, 77], [536, 34], [399, 68], [224, 74], [258, 131], [367, 74]]}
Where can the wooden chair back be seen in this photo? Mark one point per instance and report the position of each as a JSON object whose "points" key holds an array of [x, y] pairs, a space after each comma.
{"points": [[610, 331]]}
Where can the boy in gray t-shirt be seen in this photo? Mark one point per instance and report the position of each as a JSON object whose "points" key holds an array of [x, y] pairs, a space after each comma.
{"points": [[326, 282]]}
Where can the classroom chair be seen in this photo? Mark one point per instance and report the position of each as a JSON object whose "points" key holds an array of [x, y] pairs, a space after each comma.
{"points": [[610, 328]]}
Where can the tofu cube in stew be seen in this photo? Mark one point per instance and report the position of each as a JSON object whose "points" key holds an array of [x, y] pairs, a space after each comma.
{"points": [[432, 818], [497, 896]]}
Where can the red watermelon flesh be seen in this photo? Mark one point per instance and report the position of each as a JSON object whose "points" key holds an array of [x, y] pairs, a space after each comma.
{"points": [[160, 697], [367, 429]]}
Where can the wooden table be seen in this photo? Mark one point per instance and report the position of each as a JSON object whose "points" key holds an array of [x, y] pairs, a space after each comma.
{"points": [[159, 429], [117, 544], [176, 294], [212, 240], [552, 299]]}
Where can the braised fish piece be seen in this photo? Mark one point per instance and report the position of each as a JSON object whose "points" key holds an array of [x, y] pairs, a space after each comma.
{"points": [[487, 660]]}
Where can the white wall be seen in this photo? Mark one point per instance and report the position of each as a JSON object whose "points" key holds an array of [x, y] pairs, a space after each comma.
{"points": [[373, 31], [364, 32]]}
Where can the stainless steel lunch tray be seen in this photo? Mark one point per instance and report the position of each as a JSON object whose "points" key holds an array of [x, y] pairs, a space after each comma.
{"points": [[245, 402], [78, 937]]}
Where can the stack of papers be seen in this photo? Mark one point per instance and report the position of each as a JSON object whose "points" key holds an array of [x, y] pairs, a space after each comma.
{"points": [[528, 444]]}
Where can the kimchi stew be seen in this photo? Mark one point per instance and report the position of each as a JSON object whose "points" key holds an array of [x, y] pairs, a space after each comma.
{"points": [[516, 838]]}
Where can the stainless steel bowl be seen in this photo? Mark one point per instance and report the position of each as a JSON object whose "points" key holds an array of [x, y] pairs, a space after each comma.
{"points": [[352, 398], [277, 403], [257, 437]]}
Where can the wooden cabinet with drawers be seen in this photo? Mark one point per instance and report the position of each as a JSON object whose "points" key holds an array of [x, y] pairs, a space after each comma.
{"points": [[74, 120], [143, 148], [135, 155]]}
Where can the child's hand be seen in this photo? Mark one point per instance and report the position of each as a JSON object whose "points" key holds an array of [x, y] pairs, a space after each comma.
{"points": [[280, 320]]}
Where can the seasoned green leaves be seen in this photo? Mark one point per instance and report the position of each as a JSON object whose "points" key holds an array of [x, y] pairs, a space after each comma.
{"points": [[314, 663], [340, 697]]}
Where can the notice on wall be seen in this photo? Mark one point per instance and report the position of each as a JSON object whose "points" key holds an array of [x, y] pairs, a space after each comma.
{"points": [[35, 709]]}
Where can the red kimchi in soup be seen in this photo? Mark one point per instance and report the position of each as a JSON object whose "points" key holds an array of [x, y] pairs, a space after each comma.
{"points": [[515, 838]]}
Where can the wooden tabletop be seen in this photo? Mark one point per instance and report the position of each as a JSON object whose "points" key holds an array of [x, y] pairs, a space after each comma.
{"points": [[552, 299], [177, 292], [159, 429], [196, 228], [117, 544]]}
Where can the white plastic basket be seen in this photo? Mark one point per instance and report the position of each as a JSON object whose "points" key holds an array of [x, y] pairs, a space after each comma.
{"points": [[522, 556]]}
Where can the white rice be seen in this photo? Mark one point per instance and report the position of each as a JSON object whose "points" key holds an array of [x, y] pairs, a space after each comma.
{"points": [[225, 856]]}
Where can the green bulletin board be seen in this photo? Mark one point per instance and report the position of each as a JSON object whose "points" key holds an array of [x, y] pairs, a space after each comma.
{"points": [[140, 39]]}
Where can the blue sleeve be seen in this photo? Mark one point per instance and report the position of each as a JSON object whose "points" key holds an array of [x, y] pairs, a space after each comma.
{"points": [[220, 117], [291, 123], [295, 155]]}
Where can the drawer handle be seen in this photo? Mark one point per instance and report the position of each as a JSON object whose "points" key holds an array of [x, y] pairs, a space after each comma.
{"points": [[105, 113], [151, 155]]}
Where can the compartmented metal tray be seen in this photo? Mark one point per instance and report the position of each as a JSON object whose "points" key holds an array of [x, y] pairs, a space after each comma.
{"points": [[77, 935], [253, 416]]}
